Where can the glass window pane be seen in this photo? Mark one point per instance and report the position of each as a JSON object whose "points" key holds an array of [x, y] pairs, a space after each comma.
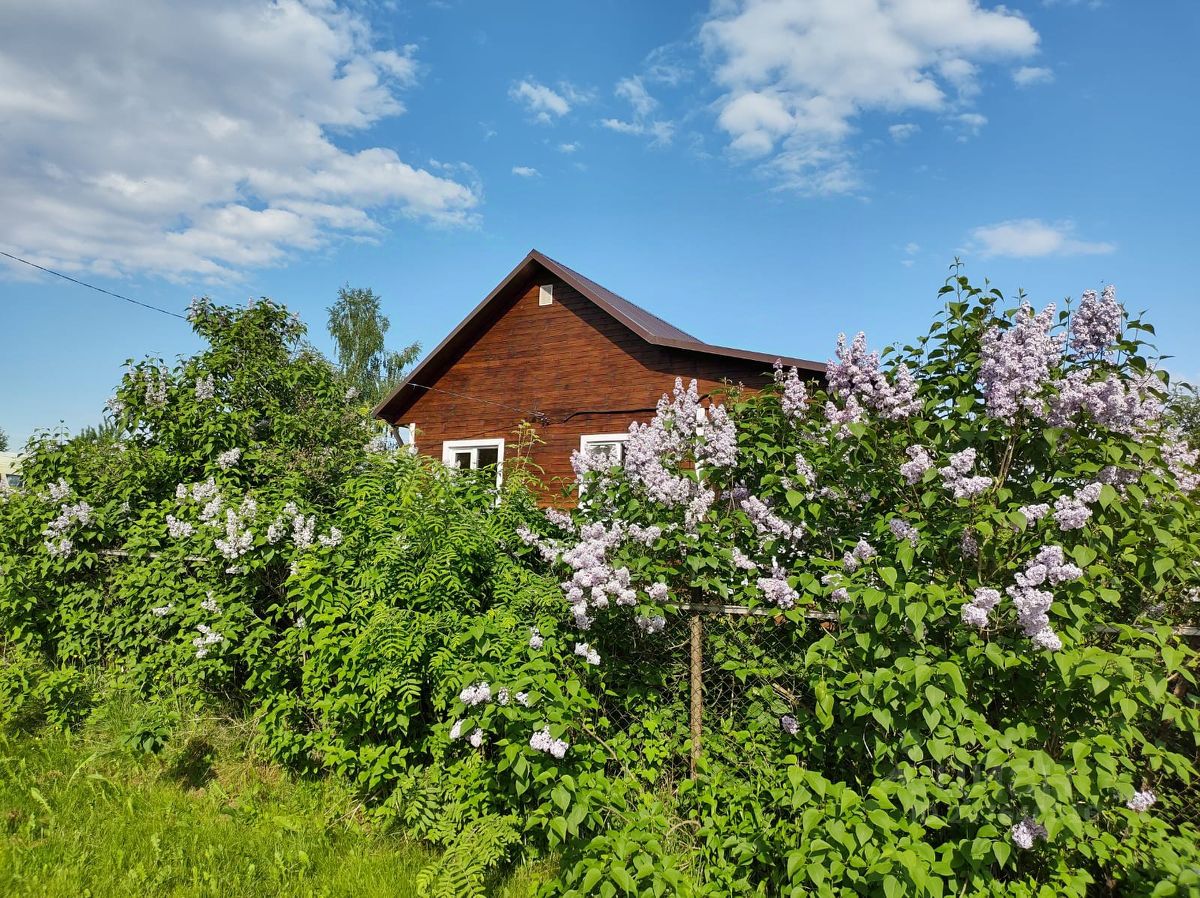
{"points": [[462, 459], [488, 455]]}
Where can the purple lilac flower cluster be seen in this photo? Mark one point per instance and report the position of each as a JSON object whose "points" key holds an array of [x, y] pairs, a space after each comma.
{"points": [[957, 476], [206, 640], [587, 653], [857, 373], [1072, 512], [1025, 832], [793, 397], [536, 641], [806, 471], [1097, 323], [541, 740], [1181, 460], [775, 588], [593, 580], [862, 551], [741, 560], [902, 530], [919, 461], [478, 694], [672, 435], [975, 613], [842, 418], [767, 523], [1127, 406], [1034, 513], [651, 625], [1048, 567], [789, 724], [58, 544], [205, 388], [1141, 801], [1017, 362]]}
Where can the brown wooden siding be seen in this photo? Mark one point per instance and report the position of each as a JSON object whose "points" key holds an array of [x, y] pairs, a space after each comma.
{"points": [[570, 368]]}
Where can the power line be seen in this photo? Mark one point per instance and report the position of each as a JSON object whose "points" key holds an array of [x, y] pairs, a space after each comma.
{"points": [[67, 277]]}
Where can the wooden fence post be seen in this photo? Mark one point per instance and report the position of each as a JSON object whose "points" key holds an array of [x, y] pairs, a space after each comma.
{"points": [[697, 705]]}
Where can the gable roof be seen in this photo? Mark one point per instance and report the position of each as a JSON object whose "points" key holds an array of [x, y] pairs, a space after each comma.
{"points": [[648, 326]]}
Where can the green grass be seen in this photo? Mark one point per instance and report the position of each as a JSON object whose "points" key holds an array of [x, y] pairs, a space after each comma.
{"points": [[84, 816]]}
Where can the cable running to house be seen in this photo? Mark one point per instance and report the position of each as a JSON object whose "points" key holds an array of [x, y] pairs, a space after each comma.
{"points": [[67, 277]]}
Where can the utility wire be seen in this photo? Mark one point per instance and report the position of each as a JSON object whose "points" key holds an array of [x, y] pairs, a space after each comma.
{"points": [[67, 277]]}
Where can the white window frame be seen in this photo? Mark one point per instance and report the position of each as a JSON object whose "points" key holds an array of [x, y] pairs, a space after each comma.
{"points": [[451, 447], [590, 439]]}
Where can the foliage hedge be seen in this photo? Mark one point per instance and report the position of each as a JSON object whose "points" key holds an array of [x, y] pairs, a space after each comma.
{"points": [[990, 696]]}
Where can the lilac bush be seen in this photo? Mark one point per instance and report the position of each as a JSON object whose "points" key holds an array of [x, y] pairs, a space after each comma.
{"points": [[1002, 529]]}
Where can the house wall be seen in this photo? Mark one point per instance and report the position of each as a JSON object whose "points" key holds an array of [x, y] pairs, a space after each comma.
{"points": [[570, 368]]}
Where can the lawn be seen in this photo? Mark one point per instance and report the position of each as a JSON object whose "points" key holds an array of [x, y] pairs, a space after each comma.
{"points": [[85, 815]]}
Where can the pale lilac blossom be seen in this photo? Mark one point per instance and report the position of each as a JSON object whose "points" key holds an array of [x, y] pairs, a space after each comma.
{"points": [[587, 653], [1034, 513], [857, 375], [178, 529], [902, 530], [919, 461], [1017, 362], [229, 458], [1097, 324], [1141, 801], [535, 638], [476, 738], [205, 388], [478, 694], [789, 724], [651, 625], [741, 560], [208, 637], [542, 741], [1025, 832], [775, 588], [793, 397], [957, 476]]}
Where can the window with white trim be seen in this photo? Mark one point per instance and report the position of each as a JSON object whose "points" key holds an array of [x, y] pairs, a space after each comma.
{"points": [[610, 444], [475, 454]]}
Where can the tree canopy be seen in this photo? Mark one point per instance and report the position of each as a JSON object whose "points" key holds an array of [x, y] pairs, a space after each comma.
{"points": [[359, 330]]}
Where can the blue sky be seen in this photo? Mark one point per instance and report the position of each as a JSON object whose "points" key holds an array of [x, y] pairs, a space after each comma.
{"points": [[762, 173]]}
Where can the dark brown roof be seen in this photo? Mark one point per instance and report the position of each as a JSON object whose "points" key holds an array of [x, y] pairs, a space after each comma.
{"points": [[646, 325]]}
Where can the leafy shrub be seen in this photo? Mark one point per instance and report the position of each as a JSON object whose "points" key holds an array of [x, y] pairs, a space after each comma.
{"points": [[979, 548]]}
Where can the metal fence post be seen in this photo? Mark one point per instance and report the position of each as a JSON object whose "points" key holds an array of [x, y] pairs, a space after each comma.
{"points": [[697, 704]]}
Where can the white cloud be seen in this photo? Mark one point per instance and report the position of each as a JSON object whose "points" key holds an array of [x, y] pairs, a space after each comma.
{"points": [[194, 140], [903, 131], [524, 171], [971, 123], [544, 103], [568, 147], [1029, 75], [1028, 238], [796, 75], [912, 248], [666, 65], [633, 91]]}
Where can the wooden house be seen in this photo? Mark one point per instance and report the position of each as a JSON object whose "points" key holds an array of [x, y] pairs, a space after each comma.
{"points": [[553, 348]]}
